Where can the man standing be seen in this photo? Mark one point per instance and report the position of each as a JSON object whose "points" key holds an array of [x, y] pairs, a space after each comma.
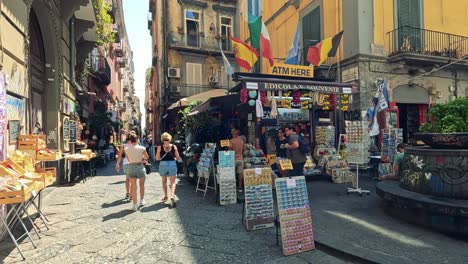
{"points": [[237, 144], [298, 159]]}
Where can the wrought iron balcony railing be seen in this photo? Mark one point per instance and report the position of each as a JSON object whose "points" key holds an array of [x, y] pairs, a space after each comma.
{"points": [[100, 67], [426, 42], [198, 41]]}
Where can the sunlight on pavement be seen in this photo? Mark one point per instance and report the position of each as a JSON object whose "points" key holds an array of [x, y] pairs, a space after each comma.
{"points": [[390, 234]]}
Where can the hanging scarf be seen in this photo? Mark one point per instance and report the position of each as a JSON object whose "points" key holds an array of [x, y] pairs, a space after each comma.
{"points": [[274, 107], [259, 108]]}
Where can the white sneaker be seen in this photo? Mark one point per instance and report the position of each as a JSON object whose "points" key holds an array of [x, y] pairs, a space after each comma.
{"points": [[134, 207], [142, 202]]}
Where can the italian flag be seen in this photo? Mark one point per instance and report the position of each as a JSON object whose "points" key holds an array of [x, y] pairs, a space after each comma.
{"points": [[260, 38]]}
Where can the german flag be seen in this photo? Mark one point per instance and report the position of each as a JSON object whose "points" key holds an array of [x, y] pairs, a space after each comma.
{"points": [[317, 54], [246, 56]]}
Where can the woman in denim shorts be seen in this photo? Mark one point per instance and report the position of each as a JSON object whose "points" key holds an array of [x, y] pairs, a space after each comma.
{"points": [[135, 169], [168, 155]]}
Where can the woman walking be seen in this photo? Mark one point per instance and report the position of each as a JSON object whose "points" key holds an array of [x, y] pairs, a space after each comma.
{"points": [[120, 156], [136, 170], [168, 155]]}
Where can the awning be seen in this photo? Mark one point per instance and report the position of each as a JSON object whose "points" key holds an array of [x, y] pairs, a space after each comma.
{"points": [[203, 97], [201, 108], [225, 102]]}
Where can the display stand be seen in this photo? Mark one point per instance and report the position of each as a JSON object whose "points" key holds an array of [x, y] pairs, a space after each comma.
{"points": [[227, 177], [258, 209], [294, 215], [357, 189], [206, 169]]}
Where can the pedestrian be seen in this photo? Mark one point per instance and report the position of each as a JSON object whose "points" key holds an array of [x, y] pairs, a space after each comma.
{"points": [[281, 153], [167, 154], [397, 163], [298, 159], [120, 156], [238, 145], [136, 156]]}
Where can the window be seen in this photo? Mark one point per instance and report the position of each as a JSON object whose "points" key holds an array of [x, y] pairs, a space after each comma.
{"points": [[226, 29], [409, 24], [311, 31], [192, 28], [193, 78]]}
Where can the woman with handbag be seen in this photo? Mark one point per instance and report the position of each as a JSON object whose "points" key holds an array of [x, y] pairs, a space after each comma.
{"points": [[167, 155], [136, 170]]}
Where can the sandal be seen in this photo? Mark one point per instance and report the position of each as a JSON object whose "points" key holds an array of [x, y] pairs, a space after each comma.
{"points": [[173, 203], [164, 199]]}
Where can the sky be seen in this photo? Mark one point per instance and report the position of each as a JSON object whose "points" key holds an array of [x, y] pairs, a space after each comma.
{"points": [[136, 23]]}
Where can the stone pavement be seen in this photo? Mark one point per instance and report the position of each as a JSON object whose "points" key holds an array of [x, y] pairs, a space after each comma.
{"points": [[90, 224], [360, 226]]}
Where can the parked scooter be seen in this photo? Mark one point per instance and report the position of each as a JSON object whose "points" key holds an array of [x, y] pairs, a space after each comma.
{"points": [[180, 144], [190, 159]]}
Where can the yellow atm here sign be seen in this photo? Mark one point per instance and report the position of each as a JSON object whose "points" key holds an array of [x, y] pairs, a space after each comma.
{"points": [[292, 70]]}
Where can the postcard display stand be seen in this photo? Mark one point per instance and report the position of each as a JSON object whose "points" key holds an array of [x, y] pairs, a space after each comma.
{"points": [[205, 168], [294, 215], [358, 142], [390, 140], [259, 212], [227, 177]]}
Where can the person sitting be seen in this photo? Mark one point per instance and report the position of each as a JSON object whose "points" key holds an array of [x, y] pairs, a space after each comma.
{"points": [[397, 163]]}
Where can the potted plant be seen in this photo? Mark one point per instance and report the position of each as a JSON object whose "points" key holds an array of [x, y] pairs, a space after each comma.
{"points": [[449, 126]]}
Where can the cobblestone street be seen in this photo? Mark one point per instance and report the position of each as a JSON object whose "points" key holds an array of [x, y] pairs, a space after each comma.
{"points": [[90, 223]]}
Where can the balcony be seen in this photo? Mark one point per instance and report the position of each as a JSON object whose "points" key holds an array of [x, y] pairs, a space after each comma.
{"points": [[100, 68], [198, 43], [424, 46], [118, 50]]}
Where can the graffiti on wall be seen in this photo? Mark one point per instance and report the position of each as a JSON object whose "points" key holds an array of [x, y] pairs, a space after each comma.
{"points": [[16, 83]]}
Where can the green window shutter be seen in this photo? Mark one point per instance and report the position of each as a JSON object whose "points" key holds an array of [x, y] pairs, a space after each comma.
{"points": [[409, 17], [311, 31]]}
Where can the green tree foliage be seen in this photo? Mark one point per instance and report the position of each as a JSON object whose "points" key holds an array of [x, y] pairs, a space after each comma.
{"points": [[105, 35], [194, 122], [450, 117]]}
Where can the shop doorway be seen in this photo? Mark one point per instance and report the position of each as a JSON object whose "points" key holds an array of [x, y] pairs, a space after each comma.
{"points": [[411, 116], [37, 75]]}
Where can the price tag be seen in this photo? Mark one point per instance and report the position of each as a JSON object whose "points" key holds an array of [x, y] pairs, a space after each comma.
{"points": [[286, 164], [225, 143], [258, 171], [291, 183]]}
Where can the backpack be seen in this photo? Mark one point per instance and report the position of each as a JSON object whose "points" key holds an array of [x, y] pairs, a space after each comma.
{"points": [[303, 146]]}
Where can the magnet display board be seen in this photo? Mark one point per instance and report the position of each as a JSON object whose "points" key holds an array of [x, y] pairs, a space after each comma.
{"points": [[294, 215], [259, 212], [227, 177]]}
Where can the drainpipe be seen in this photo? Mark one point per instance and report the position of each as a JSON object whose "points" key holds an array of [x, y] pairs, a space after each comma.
{"points": [[73, 54]]}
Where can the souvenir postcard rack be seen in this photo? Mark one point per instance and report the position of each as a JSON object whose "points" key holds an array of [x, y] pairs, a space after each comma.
{"points": [[206, 169], [227, 177], [258, 207]]}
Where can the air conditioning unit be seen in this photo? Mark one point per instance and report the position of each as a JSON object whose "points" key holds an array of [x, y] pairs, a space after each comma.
{"points": [[174, 88], [213, 79], [173, 72]]}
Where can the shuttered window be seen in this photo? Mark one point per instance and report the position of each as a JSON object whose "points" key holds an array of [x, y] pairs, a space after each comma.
{"points": [[193, 78], [311, 31], [409, 24]]}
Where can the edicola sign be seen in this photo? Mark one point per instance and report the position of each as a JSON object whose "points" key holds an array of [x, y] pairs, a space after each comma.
{"points": [[292, 70]]}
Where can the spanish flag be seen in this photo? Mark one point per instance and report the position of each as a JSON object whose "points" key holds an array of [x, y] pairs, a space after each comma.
{"points": [[327, 48], [246, 56]]}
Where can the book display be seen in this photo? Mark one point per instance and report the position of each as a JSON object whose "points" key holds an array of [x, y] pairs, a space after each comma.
{"points": [[358, 141], [294, 215], [259, 212], [227, 177]]}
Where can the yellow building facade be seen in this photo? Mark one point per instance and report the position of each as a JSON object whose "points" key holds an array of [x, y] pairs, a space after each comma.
{"points": [[418, 46]]}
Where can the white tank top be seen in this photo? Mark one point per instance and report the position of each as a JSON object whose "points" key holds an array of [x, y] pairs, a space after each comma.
{"points": [[125, 160], [134, 153]]}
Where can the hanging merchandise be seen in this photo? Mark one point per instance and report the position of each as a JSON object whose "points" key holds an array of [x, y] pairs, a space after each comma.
{"points": [[332, 100], [263, 97], [252, 102], [358, 141], [344, 99], [274, 107], [244, 95], [258, 108], [296, 97], [280, 95], [326, 102], [252, 94]]}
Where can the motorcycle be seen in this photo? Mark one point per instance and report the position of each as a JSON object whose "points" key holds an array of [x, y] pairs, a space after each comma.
{"points": [[190, 159], [180, 144]]}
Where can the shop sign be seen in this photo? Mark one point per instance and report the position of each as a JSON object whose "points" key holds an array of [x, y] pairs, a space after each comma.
{"points": [[292, 70], [350, 75], [286, 114], [267, 118], [310, 87], [271, 159]]}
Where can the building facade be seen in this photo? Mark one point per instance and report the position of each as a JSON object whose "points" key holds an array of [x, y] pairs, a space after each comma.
{"points": [[187, 40], [418, 46]]}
